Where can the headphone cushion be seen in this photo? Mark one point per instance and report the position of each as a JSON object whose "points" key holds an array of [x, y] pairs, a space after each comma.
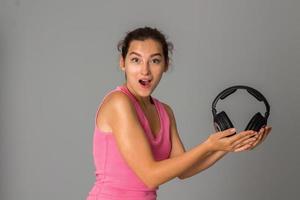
{"points": [[222, 122], [256, 122]]}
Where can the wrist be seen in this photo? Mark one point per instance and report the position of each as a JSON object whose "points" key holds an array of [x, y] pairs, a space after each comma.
{"points": [[209, 146]]}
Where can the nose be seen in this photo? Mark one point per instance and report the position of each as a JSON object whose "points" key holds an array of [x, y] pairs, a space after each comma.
{"points": [[145, 69]]}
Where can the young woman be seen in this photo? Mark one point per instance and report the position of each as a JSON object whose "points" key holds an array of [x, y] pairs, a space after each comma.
{"points": [[136, 145]]}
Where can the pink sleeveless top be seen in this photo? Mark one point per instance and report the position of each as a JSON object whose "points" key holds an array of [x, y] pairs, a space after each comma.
{"points": [[114, 178]]}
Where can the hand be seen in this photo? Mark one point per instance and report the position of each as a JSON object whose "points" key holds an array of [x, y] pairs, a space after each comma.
{"points": [[220, 141], [259, 138]]}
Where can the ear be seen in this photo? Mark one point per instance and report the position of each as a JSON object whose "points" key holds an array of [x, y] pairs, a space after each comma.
{"points": [[122, 63]]}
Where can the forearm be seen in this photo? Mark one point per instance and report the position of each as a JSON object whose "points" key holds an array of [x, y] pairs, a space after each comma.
{"points": [[203, 164], [165, 170]]}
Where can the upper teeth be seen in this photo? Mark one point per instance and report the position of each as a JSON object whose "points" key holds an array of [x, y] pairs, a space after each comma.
{"points": [[144, 82]]}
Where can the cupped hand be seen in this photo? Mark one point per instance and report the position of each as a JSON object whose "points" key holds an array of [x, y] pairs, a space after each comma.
{"points": [[223, 141], [259, 137]]}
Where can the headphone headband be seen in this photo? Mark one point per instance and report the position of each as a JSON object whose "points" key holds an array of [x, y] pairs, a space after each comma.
{"points": [[225, 93]]}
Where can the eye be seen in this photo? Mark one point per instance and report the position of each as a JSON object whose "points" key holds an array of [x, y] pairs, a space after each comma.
{"points": [[134, 60], [156, 60]]}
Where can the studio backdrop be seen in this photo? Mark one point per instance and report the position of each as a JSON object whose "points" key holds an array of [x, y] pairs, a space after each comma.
{"points": [[59, 58]]}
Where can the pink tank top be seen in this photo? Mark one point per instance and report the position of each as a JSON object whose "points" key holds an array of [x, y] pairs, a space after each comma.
{"points": [[114, 178]]}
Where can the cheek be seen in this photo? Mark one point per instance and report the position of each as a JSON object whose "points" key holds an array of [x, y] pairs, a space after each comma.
{"points": [[157, 75], [158, 70], [131, 70]]}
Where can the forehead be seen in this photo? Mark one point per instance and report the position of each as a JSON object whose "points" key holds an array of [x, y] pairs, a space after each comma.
{"points": [[146, 46]]}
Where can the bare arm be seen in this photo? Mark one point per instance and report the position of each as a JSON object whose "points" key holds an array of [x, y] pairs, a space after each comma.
{"points": [[178, 149], [201, 165], [135, 149], [212, 158]]}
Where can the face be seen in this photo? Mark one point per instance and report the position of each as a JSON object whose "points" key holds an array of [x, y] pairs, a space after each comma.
{"points": [[144, 65]]}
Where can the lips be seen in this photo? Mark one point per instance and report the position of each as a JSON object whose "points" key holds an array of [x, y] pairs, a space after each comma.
{"points": [[145, 82]]}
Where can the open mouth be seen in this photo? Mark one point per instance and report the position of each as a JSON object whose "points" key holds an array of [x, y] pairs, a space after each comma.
{"points": [[144, 82]]}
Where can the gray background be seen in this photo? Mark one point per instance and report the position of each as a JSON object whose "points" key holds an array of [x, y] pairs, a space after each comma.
{"points": [[59, 58]]}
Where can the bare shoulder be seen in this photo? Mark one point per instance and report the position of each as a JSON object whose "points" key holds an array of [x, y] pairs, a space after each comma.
{"points": [[115, 101], [117, 98]]}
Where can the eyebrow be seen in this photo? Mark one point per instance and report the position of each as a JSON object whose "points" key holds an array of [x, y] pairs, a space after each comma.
{"points": [[155, 54]]}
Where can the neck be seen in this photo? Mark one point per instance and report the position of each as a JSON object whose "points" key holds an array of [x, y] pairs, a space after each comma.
{"points": [[143, 101]]}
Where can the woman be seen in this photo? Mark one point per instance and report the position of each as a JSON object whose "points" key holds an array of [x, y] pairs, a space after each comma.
{"points": [[136, 143]]}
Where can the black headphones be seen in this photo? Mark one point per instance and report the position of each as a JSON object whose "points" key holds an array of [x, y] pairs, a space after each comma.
{"points": [[222, 121]]}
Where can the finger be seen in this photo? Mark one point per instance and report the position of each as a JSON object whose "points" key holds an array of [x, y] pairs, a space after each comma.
{"points": [[242, 135], [261, 133], [262, 136], [268, 130], [243, 142], [227, 132], [255, 143], [243, 148], [259, 137], [251, 146], [256, 136], [242, 145], [266, 133]]}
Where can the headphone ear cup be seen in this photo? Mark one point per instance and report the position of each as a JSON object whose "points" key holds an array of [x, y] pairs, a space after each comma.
{"points": [[256, 122], [222, 122]]}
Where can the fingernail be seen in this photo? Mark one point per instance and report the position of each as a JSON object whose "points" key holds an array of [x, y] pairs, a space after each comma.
{"points": [[232, 130]]}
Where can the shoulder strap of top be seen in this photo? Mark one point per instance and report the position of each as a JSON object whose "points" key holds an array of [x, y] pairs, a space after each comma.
{"points": [[163, 111], [126, 91], [132, 97]]}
